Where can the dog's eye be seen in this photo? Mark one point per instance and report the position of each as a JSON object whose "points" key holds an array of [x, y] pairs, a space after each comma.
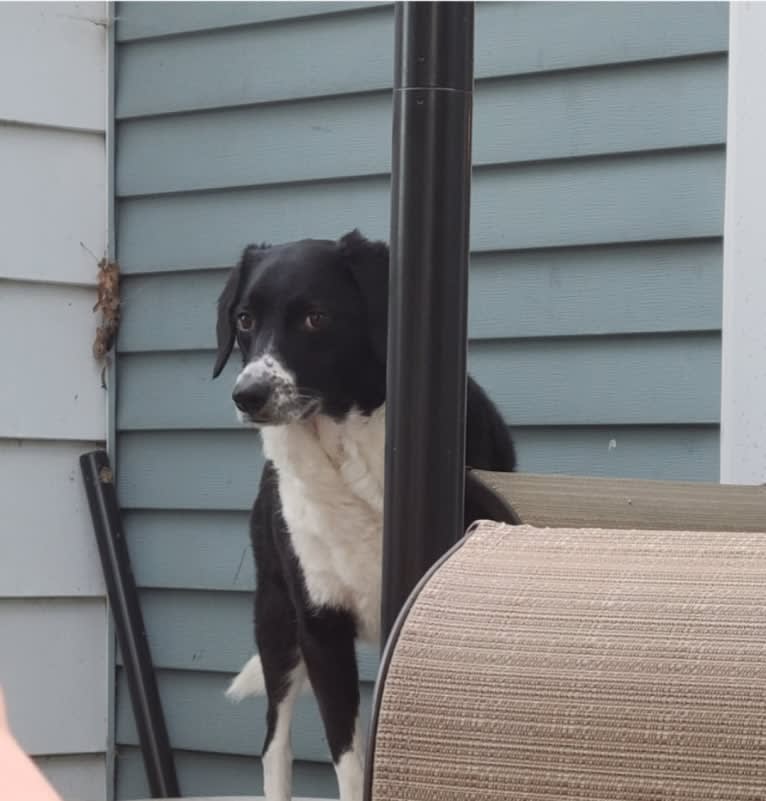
{"points": [[316, 321], [245, 321]]}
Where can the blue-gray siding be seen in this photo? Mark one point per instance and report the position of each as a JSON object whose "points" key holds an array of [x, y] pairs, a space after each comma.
{"points": [[595, 305]]}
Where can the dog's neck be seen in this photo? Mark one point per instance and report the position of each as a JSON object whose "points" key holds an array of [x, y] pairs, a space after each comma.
{"points": [[337, 437], [322, 452]]}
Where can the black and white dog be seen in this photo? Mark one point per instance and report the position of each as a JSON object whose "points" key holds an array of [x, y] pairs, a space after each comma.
{"points": [[310, 319]]}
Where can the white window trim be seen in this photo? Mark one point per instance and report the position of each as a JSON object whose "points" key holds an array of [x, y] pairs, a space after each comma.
{"points": [[743, 380]]}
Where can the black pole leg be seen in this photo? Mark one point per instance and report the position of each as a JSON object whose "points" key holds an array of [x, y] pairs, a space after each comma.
{"points": [[430, 210], [131, 635]]}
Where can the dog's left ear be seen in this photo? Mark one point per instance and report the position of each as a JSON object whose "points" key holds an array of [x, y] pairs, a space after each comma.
{"points": [[368, 264], [225, 331]]}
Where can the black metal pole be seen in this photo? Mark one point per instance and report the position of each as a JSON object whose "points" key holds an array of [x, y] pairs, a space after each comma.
{"points": [[129, 622], [430, 210]]}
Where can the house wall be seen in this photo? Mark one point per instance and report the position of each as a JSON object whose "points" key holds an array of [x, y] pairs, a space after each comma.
{"points": [[53, 624], [743, 402], [595, 303]]}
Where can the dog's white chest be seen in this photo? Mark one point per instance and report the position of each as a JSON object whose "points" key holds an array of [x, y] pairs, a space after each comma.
{"points": [[331, 487]]}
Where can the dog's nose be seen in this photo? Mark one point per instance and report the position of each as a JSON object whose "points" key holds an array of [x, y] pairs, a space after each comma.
{"points": [[251, 396]]}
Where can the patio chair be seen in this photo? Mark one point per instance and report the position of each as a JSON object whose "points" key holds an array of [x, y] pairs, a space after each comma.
{"points": [[613, 647]]}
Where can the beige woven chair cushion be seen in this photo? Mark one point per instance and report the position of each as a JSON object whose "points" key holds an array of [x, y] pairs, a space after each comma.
{"points": [[580, 664]]}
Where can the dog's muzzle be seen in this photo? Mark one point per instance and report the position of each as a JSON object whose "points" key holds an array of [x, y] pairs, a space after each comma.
{"points": [[266, 394], [252, 397]]}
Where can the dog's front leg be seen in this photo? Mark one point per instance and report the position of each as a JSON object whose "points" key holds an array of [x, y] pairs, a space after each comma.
{"points": [[277, 759], [327, 643], [349, 769]]}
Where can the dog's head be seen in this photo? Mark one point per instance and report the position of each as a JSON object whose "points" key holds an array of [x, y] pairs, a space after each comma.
{"points": [[310, 320]]}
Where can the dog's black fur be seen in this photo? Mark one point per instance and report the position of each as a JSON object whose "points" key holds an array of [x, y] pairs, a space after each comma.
{"points": [[321, 306]]}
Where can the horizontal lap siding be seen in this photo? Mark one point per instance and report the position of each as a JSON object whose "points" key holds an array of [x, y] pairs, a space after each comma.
{"points": [[208, 772], [52, 387], [352, 52], [56, 52], [47, 547], [76, 776], [53, 192], [633, 107], [634, 197], [199, 721], [56, 697], [202, 470], [594, 311], [585, 381], [54, 634], [636, 288]]}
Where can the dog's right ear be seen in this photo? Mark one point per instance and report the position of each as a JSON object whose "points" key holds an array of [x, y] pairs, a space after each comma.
{"points": [[225, 328], [368, 262]]}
